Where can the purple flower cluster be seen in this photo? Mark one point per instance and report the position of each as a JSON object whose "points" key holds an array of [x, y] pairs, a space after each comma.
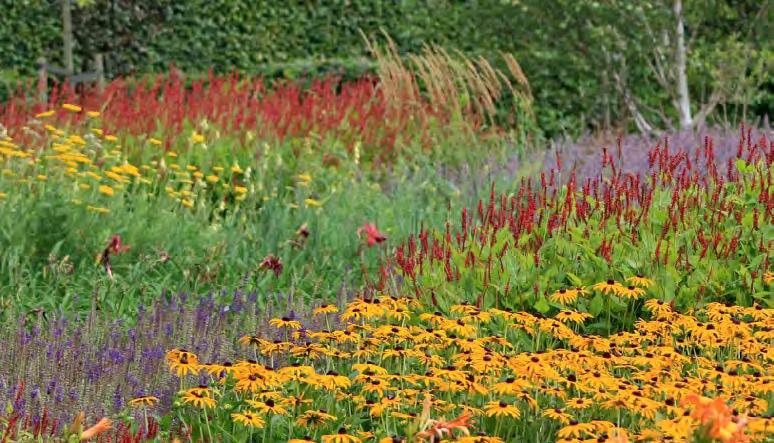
{"points": [[630, 151], [57, 367]]}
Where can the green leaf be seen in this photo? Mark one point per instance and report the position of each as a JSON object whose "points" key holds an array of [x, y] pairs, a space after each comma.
{"points": [[597, 305], [542, 305], [574, 279]]}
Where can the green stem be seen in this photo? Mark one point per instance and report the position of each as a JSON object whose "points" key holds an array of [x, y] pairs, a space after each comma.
{"points": [[207, 421]]}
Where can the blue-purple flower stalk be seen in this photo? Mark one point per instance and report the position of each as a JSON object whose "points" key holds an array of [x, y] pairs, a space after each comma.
{"points": [[63, 366]]}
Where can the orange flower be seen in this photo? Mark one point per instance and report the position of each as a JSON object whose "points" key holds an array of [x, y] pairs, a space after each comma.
{"points": [[441, 429], [101, 426], [617, 435], [717, 419]]}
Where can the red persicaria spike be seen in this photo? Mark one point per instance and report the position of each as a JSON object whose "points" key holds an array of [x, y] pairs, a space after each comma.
{"points": [[558, 161]]}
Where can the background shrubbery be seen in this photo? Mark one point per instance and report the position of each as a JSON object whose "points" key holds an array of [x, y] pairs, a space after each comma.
{"points": [[575, 53]]}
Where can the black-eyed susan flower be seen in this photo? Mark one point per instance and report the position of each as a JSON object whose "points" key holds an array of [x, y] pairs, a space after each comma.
{"points": [[373, 368], [297, 401], [572, 316], [657, 307], [463, 308], [557, 414], [501, 409], [314, 418], [182, 362], [197, 138], [252, 380], [268, 407], [608, 287], [479, 438], [312, 203], [332, 380], [325, 309], [248, 418], [296, 370], [106, 190], [375, 408], [641, 281], [376, 386], [602, 426], [564, 296], [399, 313], [582, 291], [306, 439], [342, 436], [460, 328], [579, 403], [251, 340], [479, 316], [405, 417], [285, 323], [428, 359], [511, 386], [199, 398], [631, 292], [436, 318], [575, 430], [143, 401]]}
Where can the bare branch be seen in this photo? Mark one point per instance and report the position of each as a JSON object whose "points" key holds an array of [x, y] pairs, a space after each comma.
{"points": [[707, 108], [631, 105]]}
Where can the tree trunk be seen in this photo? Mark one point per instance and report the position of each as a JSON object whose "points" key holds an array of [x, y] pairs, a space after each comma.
{"points": [[683, 99], [67, 37]]}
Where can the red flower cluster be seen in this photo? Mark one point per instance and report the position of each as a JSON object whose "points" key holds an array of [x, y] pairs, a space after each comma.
{"points": [[354, 111], [114, 247], [272, 263], [371, 233]]}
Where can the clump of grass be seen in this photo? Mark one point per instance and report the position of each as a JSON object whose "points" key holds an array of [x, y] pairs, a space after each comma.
{"points": [[467, 91]]}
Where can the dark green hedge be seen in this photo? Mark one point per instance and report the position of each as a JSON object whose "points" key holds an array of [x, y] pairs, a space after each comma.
{"points": [[149, 35], [557, 42]]}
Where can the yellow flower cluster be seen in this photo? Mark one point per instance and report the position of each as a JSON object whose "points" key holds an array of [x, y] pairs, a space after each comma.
{"points": [[95, 161], [392, 354]]}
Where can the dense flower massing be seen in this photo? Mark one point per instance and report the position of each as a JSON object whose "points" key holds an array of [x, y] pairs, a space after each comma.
{"points": [[95, 164], [506, 375], [683, 214], [354, 111]]}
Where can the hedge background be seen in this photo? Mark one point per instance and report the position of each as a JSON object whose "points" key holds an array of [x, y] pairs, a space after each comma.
{"points": [[556, 42]]}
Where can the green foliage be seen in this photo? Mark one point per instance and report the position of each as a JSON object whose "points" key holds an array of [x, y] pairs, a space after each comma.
{"points": [[499, 258], [51, 241]]}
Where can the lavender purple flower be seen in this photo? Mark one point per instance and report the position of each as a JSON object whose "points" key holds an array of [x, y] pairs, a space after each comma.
{"points": [[60, 366]]}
